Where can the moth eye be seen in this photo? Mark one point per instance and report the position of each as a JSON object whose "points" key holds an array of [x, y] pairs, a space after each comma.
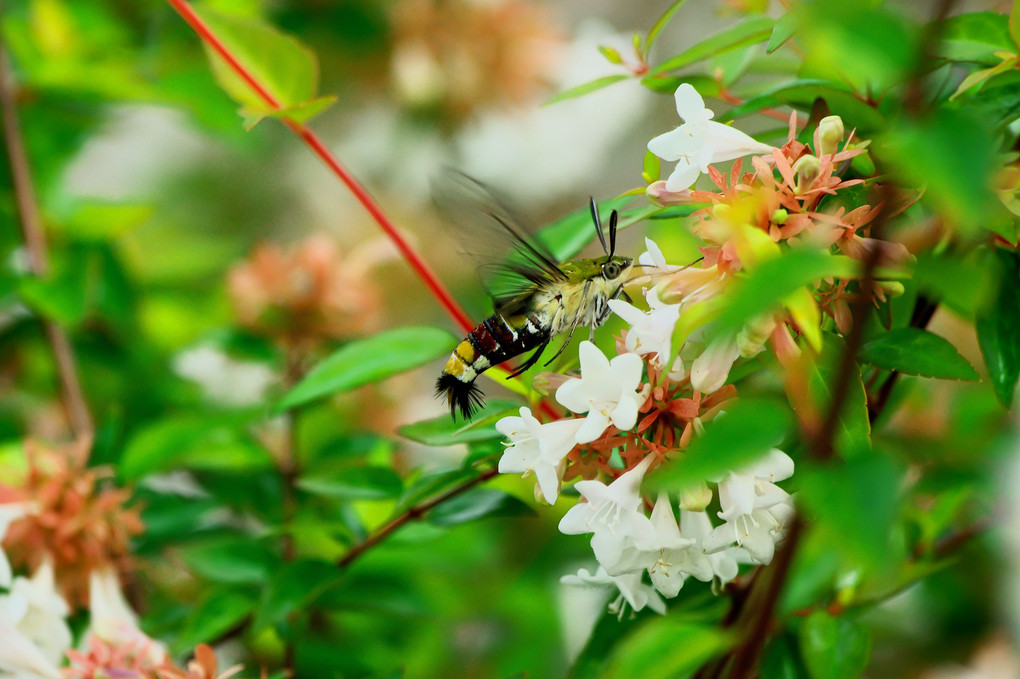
{"points": [[611, 270]]}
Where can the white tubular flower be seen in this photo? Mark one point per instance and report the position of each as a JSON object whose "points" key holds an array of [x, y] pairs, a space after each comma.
{"points": [[606, 391], [754, 508], [651, 332], [653, 256], [35, 609], [678, 556], [632, 590], [112, 620], [622, 535], [724, 564], [710, 370], [699, 142], [20, 658], [539, 448]]}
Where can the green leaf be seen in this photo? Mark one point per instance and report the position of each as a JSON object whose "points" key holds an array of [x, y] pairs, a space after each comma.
{"points": [[855, 504], [747, 430], [369, 360], [975, 37], [853, 429], [999, 330], [666, 647], [299, 113], [834, 647], [650, 167], [293, 588], [239, 560], [611, 54], [784, 29], [444, 431], [754, 30], [913, 351], [431, 485], [195, 442], [964, 284], [1014, 24], [660, 23], [286, 69], [609, 630], [215, 614], [952, 153], [781, 659], [803, 93], [353, 483], [567, 236], [478, 503], [586, 88]]}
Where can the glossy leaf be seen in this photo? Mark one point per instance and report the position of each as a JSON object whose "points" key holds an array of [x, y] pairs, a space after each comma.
{"points": [[803, 93], [834, 647], [586, 88], [754, 30], [369, 360], [666, 647], [999, 330], [747, 430], [478, 503], [354, 483], [444, 431], [913, 351]]}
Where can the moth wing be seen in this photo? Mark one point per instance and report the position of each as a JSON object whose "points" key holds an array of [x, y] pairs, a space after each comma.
{"points": [[510, 260]]}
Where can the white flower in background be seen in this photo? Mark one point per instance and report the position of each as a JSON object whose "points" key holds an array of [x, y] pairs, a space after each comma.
{"points": [[700, 141], [20, 658], [614, 514], [112, 620], [652, 257], [34, 614], [606, 391], [755, 509], [224, 379], [651, 332], [711, 368], [632, 590], [539, 448], [678, 556], [724, 563]]}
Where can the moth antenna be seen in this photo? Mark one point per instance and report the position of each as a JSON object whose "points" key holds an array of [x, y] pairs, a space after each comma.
{"points": [[593, 206], [613, 217]]}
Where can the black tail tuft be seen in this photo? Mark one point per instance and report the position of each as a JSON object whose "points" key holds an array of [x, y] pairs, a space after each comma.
{"points": [[463, 396]]}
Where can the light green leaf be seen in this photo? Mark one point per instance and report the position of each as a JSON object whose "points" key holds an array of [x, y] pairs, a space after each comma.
{"points": [[353, 483], [999, 330], [666, 647], [913, 351], [1008, 63], [784, 29], [478, 503], [650, 167], [974, 37], [664, 84], [586, 88], [369, 360], [567, 236], [660, 23], [286, 69], [834, 647], [611, 54], [298, 113], [1014, 23], [444, 431], [747, 430], [757, 29]]}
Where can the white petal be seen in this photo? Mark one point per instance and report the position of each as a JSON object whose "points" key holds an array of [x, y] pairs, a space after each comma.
{"points": [[736, 496], [5, 571], [690, 105], [674, 144], [776, 466], [653, 256], [685, 173], [625, 413], [573, 395], [548, 482], [723, 143], [594, 425], [628, 312], [575, 521]]}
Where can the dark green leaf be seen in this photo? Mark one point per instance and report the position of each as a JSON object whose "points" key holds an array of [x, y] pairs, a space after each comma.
{"points": [[233, 559], [586, 88], [784, 29], [999, 330], [853, 429], [609, 630], [357, 483], [293, 588], [478, 503], [962, 284], [748, 429], [753, 30], [913, 351], [781, 659], [369, 360], [444, 431], [433, 484], [666, 647], [212, 616], [834, 647]]}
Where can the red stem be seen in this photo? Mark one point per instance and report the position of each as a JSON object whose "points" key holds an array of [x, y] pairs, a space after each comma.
{"points": [[417, 263]]}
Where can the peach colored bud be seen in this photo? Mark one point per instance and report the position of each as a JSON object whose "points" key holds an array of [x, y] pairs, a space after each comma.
{"points": [[658, 194], [806, 170], [841, 314], [830, 135]]}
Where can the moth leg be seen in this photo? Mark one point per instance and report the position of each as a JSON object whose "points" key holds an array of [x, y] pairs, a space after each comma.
{"points": [[564, 346], [532, 360]]}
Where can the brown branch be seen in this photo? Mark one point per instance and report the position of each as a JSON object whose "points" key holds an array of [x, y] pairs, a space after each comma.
{"points": [[413, 514], [76, 407]]}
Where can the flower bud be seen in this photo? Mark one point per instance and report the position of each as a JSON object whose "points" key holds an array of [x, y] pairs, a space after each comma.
{"points": [[830, 135], [697, 498], [752, 337], [546, 383], [806, 170], [892, 288], [658, 194], [780, 216]]}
